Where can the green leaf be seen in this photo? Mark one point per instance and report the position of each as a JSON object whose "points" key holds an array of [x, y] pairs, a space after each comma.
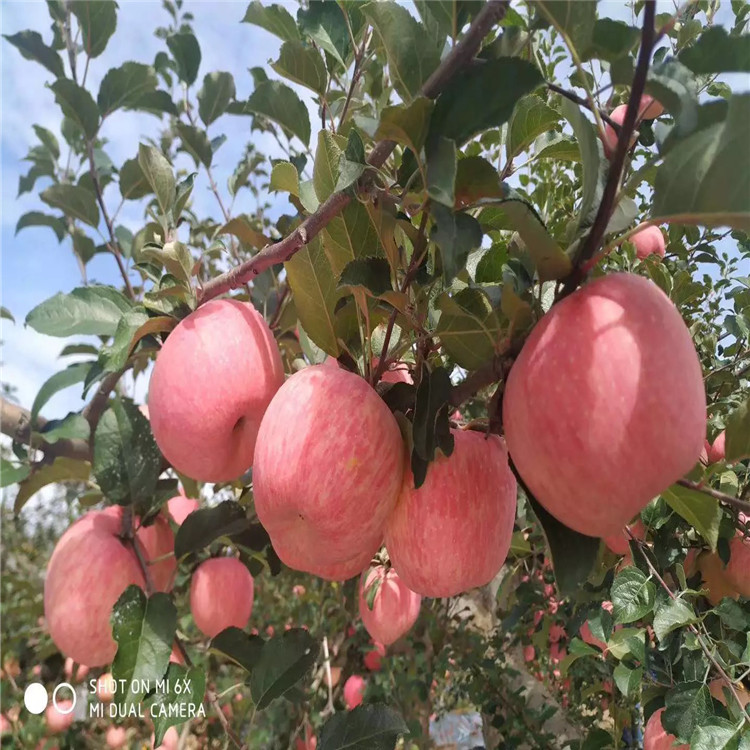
{"points": [[373, 275], [371, 727], [6, 314], [720, 734], [610, 40], [38, 219], [627, 642], [441, 170], [313, 285], [156, 103], [72, 427], [12, 474], [688, 706], [328, 154], [87, 310], [184, 696], [60, 470], [531, 117], [701, 511], [124, 86], [412, 54], [47, 137], [633, 595], [670, 615], [469, 328], [133, 182], [464, 109], [715, 51], [352, 162], [283, 662], [64, 379], [175, 257], [32, 47], [273, 18], [556, 146], [214, 97], [627, 680], [144, 630], [303, 65], [114, 357], [83, 245], [456, 234], [406, 124], [241, 228], [281, 105], [738, 433], [477, 179], [74, 201], [159, 175], [98, 22], [284, 177], [239, 647], [127, 462], [195, 142], [204, 526], [78, 105], [574, 20], [187, 54], [324, 23]]}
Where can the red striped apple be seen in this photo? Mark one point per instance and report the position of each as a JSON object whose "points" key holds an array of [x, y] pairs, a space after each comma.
{"points": [[328, 466], [657, 738], [453, 533], [395, 607], [180, 507], [604, 407], [648, 241], [717, 451], [221, 595], [354, 691], [213, 379]]}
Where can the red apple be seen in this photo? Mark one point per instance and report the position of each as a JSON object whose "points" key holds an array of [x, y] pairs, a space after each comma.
{"points": [[5, 727], [116, 737], [221, 595], [738, 569], [373, 660], [714, 578], [354, 691], [105, 687], [397, 372], [717, 450], [610, 137], [588, 637], [180, 507], [605, 408], [213, 379], [328, 467], [453, 533], [648, 241], [395, 607], [171, 740], [158, 541], [529, 654], [716, 688], [650, 108], [619, 543], [656, 738], [335, 676], [57, 721]]}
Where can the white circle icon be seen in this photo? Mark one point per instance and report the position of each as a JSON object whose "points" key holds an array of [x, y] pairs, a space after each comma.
{"points": [[57, 705], [35, 698]]}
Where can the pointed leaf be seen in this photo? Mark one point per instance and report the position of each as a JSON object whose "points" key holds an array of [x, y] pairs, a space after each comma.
{"points": [[159, 174], [441, 170], [214, 97], [187, 54], [32, 47], [236, 645], [205, 525], [281, 105], [633, 595], [60, 470], [195, 142], [531, 117], [133, 182], [702, 511], [77, 104], [38, 219], [124, 86], [98, 22], [371, 727], [324, 23], [715, 51], [407, 125], [273, 18], [456, 234], [284, 177], [184, 697], [303, 65], [74, 201], [738, 433], [76, 373], [241, 228]]}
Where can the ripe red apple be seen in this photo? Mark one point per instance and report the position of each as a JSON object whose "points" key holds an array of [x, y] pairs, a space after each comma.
{"points": [[656, 738], [716, 688], [89, 569], [588, 637], [171, 740], [221, 595], [176, 656], [717, 450], [395, 608], [158, 541], [354, 691], [648, 241], [180, 507], [738, 568], [605, 408], [58, 722], [328, 466], [397, 372], [649, 108], [116, 737], [105, 687], [213, 379], [619, 543], [5, 727], [373, 660], [453, 533], [311, 743], [610, 137]]}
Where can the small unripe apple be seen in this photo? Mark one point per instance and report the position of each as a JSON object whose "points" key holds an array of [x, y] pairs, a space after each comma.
{"points": [[213, 379], [180, 507], [105, 687], [354, 691], [395, 607], [619, 543], [57, 721], [717, 451], [453, 533], [158, 541], [116, 737], [648, 241], [605, 400], [655, 737], [221, 595], [327, 471], [650, 108]]}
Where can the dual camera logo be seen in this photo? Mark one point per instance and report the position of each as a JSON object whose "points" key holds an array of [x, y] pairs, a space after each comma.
{"points": [[35, 698]]}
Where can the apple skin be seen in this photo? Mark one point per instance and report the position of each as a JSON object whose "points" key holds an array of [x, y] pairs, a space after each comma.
{"points": [[116, 737], [89, 569], [648, 241], [214, 377], [453, 533], [656, 738], [714, 577], [619, 543], [354, 691], [327, 471], [58, 722], [650, 108], [395, 608], [716, 688], [717, 450], [373, 660], [607, 382], [221, 595], [105, 687], [610, 137], [588, 637], [158, 540], [738, 569], [180, 507], [171, 740]]}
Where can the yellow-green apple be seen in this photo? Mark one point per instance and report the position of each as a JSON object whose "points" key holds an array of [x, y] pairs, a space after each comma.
{"points": [[116, 737], [354, 691], [180, 507], [655, 737], [327, 470], [213, 379], [738, 568], [395, 607], [453, 533], [714, 578], [604, 407], [648, 241], [158, 543], [619, 543], [221, 595], [89, 569], [59, 720], [649, 108], [717, 451]]}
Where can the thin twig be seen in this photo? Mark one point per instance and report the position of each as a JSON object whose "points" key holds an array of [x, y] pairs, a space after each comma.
{"points": [[722, 497], [584, 103]]}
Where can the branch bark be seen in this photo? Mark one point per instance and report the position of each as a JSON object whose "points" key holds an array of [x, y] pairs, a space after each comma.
{"points": [[283, 250], [722, 497]]}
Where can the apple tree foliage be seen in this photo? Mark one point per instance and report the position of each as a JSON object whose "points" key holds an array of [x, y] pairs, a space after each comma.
{"points": [[443, 255]]}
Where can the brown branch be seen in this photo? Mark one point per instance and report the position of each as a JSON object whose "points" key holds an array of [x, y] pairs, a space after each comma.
{"points": [[722, 497], [283, 250], [583, 102], [95, 408], [594, 238]]}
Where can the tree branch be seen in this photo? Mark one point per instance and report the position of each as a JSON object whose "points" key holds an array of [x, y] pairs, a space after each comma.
{"points": [[582, 102], [722, 497], [283, 250]]}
